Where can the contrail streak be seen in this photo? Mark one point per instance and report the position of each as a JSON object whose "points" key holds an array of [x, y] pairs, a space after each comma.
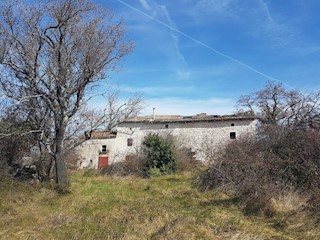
{"points": [[199, 42]]}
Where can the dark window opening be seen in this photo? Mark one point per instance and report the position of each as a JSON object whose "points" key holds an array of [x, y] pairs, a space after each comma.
{"points": [[232, 124], [104, 149], [129, 142], [166, 126], [232, 135]]}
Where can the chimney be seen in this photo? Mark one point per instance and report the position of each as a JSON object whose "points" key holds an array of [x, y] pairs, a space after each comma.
{"points": [[154, 114]]}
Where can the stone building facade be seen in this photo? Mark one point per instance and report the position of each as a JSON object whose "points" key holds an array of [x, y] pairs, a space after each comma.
{"points": [[202, 134]]}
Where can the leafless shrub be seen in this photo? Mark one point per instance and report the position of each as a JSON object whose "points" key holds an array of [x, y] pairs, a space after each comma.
{"points": [[186, 160], [259, 170], [72, 159], [132, 166]]}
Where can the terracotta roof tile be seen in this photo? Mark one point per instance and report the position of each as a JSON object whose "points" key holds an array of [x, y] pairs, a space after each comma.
{"points": [[101, 135]]}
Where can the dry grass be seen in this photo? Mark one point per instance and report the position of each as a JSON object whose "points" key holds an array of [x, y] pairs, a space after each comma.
{"points": [[289, 202], [131, 208]]}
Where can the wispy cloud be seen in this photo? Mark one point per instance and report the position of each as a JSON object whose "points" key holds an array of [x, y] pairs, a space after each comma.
{"points": [[255, 15], [183, 39], [156, 90], [216, 70], [176, 30], [178, 106], [182, 66], [145, 4], [265, 6], [178, 61], [214, 5], [190, 106]]}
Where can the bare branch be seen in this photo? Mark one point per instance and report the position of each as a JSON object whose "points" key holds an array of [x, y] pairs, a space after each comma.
{"points": [[275, 105], [51, 53]]}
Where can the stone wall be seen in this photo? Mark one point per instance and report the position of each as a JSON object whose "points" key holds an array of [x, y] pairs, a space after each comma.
{"points": [[204, 138]]}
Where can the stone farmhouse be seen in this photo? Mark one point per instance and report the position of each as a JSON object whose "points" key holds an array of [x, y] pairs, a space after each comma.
{"points": [[202, 134]]}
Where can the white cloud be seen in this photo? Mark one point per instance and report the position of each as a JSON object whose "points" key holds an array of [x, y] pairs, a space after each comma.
{"points": [[214, 5], [161, 13], [145, 4], [157, 90], [255, 15], [183, 74], [181, 64], [265, 6], [179, 106]]}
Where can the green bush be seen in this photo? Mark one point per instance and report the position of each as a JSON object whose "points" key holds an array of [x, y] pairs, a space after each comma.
{"points": [[154, 172], [159, 155]]}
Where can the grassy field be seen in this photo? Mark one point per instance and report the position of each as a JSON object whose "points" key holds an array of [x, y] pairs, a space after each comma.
{"points": [[128, 208]]}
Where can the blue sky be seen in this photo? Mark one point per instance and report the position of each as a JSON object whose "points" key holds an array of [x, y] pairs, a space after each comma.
{"points": [[194, 56]]}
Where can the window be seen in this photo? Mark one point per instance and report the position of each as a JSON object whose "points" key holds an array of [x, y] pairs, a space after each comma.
{"points": [[232, 124], [104, 148], [129, 142], [232, 135], [166, 126]]}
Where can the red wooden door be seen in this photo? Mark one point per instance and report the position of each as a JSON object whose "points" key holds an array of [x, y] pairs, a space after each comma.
{"points": [[103, 161]]}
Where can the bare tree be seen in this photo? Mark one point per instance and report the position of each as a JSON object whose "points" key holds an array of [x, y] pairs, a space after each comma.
{"points": [[277, 106], [117, 111], [89, 119], [52, 54]]}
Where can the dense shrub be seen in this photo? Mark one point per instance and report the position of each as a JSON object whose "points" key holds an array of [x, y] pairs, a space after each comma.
{"points": [[16, 140], [135, 165], [258, 169], [159, 154]]}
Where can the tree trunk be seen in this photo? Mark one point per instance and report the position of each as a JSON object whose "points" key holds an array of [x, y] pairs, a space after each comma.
{"points": [[61, 167], [45, 166]]}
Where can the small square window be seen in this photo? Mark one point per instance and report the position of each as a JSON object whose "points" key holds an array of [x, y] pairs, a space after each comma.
{"points": [[104, 148], [129, 142], [166, 126], [232, 135], [232, 124]]}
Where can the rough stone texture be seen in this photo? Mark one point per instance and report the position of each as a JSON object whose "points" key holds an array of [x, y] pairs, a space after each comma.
{"points": [[203, 136]]}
